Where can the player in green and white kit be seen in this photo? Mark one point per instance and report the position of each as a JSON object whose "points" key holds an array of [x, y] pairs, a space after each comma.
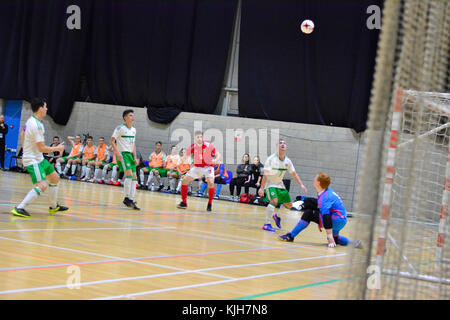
{"points": [[34, 162], [272, 184], [123, 144]]}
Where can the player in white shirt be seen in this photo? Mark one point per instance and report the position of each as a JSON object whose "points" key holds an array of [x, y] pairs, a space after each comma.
{"points": [[272, 184], [39, 168], [123, 142]]}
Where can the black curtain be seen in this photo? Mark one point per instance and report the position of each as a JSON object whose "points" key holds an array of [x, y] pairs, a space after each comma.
{"points": [[169, 55], [39, 55], [320, 78]]}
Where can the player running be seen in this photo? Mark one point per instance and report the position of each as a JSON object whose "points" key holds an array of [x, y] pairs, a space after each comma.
{"points": [[205, 157], [39, 168], [272, 184]]}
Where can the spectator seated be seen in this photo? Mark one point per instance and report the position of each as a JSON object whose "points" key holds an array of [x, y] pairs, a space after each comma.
{"points": [[219, 182]]}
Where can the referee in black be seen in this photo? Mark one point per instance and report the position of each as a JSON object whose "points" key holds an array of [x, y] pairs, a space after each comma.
{"points": [[3, 132]]}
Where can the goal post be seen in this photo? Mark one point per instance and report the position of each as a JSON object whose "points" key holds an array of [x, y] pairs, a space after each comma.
{"points": [[412, 248], [402, 193], [427, 108]]}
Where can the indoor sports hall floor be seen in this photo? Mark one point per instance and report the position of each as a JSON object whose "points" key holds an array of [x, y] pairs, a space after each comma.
{"points": [[160, 252]]}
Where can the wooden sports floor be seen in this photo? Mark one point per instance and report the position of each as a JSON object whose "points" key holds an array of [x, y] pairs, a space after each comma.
{"points": [[102, 250]]}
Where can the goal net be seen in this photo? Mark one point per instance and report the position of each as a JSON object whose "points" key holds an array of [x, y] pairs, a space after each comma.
{"points": [[410, 251], [403, 185]]}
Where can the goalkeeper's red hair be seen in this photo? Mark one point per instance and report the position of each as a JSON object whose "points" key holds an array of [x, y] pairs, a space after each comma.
{"points": [[324, 180]]}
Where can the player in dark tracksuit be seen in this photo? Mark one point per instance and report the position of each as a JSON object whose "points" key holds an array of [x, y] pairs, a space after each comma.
{"points": [[331, 215], [3, 132]]}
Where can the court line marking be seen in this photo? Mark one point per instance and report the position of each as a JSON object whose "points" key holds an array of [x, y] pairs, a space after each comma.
{"points": [[117, 221], [199, 254], [33, 256], [215, 238], [314, 284], [85, 229], [186, 272], [254, 239], [114, 221], [158, 220], [101, 255], [119, 190], [177, 232], [130, 295], [258, 295], [191, 234], [165, 212], [158, 212]]}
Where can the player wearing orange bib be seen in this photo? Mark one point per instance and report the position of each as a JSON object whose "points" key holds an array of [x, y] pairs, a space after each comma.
{"points": [[171, 168], [183, 167], [155, 167], [111, 166], [73, 158], [100, 160], [89, 154]]}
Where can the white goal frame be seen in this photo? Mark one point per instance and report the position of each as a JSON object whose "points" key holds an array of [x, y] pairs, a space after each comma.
{"points": [[384, 235]]}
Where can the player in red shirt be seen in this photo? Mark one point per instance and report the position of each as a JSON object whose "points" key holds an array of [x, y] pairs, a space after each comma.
{"points": [[205, 157]]}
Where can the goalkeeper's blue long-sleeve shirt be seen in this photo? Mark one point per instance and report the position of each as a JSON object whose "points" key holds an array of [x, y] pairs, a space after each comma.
{"points": [[330, 203]]}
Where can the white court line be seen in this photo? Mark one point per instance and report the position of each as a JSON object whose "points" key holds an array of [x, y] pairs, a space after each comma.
{"points": [[188, 234], [183, 255], [86, 229], [163, 196], [247, 243], [116, 221], [130, 295], [251, 239], [179, 273], [104, 256]]}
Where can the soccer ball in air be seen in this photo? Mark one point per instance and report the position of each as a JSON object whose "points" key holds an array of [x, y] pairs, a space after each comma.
{"points": [[307, 26]]}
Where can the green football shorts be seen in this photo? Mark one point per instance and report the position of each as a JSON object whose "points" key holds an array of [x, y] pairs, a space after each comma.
{"points": [[67, 158], [281, 194], [127, 163], [162, 171], [39, 171], [173, 171]]}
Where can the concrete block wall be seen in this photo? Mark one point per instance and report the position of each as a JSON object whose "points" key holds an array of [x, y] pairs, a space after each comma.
{"points": [[312, 148]]}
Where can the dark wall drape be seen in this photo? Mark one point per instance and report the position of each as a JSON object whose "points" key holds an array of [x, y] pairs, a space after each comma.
{"points": [[169, 55], [163, 54], [39, 55], [321, 78]]}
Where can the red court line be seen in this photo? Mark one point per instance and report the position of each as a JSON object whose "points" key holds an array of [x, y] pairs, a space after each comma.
{"points": [[155, 258], [33, 256]]}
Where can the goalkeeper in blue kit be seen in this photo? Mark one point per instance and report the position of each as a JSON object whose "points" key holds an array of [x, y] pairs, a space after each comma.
{"points": [[331, 215]]}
